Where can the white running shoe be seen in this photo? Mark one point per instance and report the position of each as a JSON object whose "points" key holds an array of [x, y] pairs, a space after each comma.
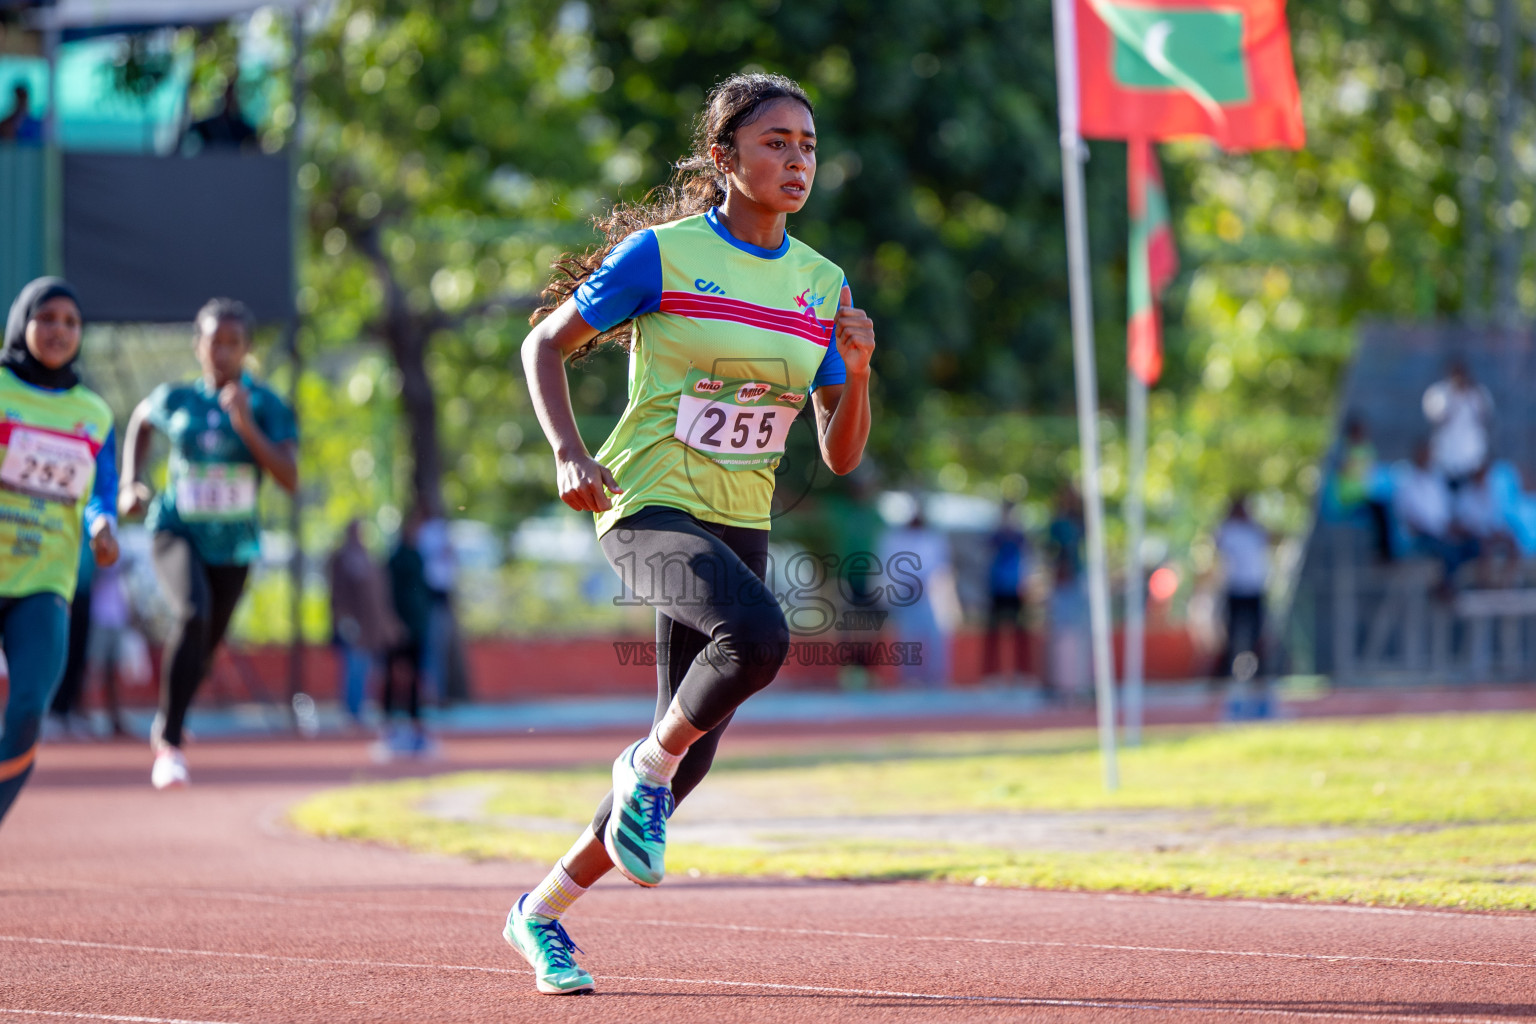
{"points": [[170, 770]]}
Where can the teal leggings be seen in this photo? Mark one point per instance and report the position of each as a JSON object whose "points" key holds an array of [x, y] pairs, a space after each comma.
{"points": [[34, 631]]}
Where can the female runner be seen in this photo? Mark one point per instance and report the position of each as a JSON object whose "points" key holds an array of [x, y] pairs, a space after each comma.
{"points": [[732, 325], [57, 475], [226, 428]]}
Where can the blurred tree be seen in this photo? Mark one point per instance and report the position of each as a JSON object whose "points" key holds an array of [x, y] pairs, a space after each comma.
{"points": [[456, 147], [437, 129], [1286, 252]]}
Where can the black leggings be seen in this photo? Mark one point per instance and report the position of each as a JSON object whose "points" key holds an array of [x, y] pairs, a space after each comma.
{"points": [[720, 635], [203, 598]]}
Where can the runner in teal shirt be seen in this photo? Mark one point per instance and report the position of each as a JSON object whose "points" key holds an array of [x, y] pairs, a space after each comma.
{"points": [[212, 469], [227, 431]]}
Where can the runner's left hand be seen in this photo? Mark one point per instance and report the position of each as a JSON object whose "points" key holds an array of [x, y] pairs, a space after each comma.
{"points": [[104, 547], [855, 335]]}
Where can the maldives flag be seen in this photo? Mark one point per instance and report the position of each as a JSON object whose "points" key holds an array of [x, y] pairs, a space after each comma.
{"points": [[1169, 69], [1152, 263]]}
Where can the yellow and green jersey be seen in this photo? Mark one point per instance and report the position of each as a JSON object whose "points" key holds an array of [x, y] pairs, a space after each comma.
{"points": [[57, 474], [730, 340]]}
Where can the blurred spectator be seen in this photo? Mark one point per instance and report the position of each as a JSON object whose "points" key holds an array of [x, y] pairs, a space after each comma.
{"points": [[412, 600], [228, 129], [1519, 508], [1244, 549], [440, 658], [1007, 585], [361, 621], [1070, 659], [114, 644], [1421, 501], [1360, 489], [854, 527], [1066, 532], [918, 556], [1478, 515], [1459, 411], [19, 125]]}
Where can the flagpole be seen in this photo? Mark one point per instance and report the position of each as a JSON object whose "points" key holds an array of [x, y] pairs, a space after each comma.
{"points": [[1135, 528], [1138, 182], [1073, 152]]}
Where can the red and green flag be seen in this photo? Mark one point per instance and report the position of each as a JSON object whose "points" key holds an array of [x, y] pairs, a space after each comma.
{"points": [[1152, 70], [1152, 264], [1168, 69]]}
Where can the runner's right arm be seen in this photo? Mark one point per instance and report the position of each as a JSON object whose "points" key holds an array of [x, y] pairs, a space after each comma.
{"points": [[134, 494], [583, 482]]}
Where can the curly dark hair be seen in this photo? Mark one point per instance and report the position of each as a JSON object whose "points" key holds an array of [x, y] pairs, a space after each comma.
{"points": [[696, 186]]}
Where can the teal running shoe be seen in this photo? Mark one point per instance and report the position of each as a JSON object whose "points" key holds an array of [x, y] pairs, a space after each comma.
{"points": [[544, 943], [636, 836]]}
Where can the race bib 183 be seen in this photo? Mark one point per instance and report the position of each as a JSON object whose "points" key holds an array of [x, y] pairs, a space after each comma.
{"points": [[738, 424], [210, 491], [47, 465]]}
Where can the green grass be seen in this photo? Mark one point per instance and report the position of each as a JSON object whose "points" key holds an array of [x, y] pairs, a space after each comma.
{"points": [[1446, 806]]}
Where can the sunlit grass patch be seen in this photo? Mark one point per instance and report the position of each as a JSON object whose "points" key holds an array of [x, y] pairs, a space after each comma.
{"points": [[1437, 810]]}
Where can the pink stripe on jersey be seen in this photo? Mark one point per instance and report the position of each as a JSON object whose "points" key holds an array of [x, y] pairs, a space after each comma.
{"points": [[7, 426], [720, 307]]}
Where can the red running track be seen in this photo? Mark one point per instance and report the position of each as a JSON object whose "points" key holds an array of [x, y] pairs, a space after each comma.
{"points": [[119, 903]]}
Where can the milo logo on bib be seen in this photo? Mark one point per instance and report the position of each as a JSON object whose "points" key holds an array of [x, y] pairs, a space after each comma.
{"points": [[736, 425]]}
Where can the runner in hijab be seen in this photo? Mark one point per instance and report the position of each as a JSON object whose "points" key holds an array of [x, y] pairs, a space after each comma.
{"points": [[57, 475]]}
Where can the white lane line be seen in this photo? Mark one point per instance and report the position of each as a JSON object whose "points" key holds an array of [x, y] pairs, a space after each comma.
{"points": [[247, 897], [1325, 908], [269, 957], [1219, 902], [73, 1015], [1102, 1004], [1098, 1004], [1331, 957], [996, 892]]}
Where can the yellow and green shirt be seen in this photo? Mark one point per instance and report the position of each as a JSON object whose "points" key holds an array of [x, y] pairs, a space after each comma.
{"points": [[58, 475], [730, 339]]}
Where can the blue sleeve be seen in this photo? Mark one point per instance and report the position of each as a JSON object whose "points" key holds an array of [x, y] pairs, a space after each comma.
{"points": [[832, 370], [103, 500], [627, 285]]}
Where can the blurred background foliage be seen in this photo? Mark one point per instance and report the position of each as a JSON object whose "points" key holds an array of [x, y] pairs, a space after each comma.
{"points": [[452, 149]]}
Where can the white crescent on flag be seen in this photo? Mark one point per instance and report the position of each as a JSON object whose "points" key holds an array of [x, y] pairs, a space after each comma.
{"points": [[1153, 46], [1156, 46]]}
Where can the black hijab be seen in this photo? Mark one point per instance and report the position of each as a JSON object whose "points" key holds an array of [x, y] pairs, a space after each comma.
{"points": [[16, 355]]}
